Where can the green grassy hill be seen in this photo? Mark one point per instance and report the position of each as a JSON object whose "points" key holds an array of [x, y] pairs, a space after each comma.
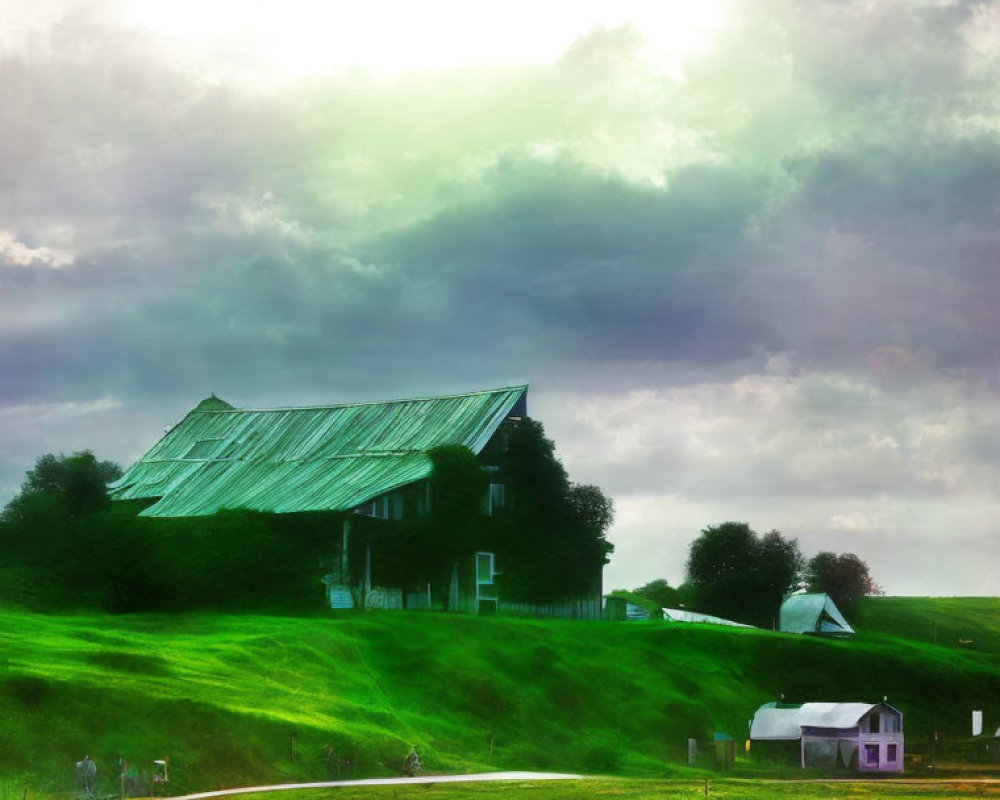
{"points": [[971, 624], [236, 700]]}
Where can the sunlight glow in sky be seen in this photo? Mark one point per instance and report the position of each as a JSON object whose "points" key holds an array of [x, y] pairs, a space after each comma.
{"points": [[312, 37]]}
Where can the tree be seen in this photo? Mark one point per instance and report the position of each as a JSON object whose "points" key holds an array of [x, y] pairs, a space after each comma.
{"points": [[52, 531], [590, 506], [845, 578], [733, 573], [550, 540], [76, 483], [459, 486], [779, 566], [456, 521], [659, 592]]}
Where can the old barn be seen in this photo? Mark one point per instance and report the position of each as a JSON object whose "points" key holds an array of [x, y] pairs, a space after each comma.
{"points": [[367, 466]]}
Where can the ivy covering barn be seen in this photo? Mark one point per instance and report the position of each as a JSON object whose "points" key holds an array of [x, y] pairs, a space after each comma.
{"points": [[453, 502]]}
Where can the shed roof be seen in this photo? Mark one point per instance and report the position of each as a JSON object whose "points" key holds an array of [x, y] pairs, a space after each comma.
{"points": [[680, 615], [813, 613], [305, 459], [779, 721]]}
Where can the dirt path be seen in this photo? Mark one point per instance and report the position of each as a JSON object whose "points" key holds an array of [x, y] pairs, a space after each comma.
{"points": [[471, 778]]}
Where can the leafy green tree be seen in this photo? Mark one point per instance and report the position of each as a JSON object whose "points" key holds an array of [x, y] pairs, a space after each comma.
{"points": [[779, 570], [459, 485], [76, 483], [35, 526], [456, 523], [844, 577], [659, 592], [736, 574], [551, 539], [51, 530]]}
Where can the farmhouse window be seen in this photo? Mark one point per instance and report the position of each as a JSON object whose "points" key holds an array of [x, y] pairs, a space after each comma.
{"points": [[496, 498], [484, 569]]}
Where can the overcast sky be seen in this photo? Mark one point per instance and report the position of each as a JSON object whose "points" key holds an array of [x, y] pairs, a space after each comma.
{"points": [[745, 254]]}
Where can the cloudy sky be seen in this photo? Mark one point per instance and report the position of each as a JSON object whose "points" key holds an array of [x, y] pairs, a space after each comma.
{"points": [[746, 254]]}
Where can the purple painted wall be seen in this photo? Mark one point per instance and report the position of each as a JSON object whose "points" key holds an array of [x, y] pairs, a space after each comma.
{"points": [[875, 744], [880, 740]]}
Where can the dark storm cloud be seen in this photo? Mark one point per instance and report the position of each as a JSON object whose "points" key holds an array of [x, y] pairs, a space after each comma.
{"points": [[635, 273], [185, 197], [196, 214], [886, 247]]}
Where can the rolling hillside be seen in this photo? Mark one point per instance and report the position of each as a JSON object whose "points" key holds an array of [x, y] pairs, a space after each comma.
{"points": [[236, 700], [971, 624]]}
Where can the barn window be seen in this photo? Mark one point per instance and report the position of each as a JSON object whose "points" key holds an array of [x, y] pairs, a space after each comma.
{"points": [[388, 506], [873, 723], [495, 500], [372, 508], [395, 502], [423, 499], [871, 754], [890, 753]]}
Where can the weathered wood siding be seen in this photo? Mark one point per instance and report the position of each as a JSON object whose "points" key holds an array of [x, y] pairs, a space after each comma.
{"points": [[579, 609]]}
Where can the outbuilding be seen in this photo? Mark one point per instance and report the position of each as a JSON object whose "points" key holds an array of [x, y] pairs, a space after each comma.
{"points": [[682, 615], [867, 737], [813, 613]]}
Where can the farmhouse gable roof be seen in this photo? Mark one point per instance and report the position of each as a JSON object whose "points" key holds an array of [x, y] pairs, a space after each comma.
{"points": [[777, 721]]}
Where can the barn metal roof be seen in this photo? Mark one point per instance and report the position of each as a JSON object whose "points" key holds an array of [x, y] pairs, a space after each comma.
{"points": [[813, 613], [776, 721], [305, 459]]}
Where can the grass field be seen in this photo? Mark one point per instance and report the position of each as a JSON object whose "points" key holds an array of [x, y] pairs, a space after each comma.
{"points": [[965, 623], [643, 789], [646, 789], [246, 700]]}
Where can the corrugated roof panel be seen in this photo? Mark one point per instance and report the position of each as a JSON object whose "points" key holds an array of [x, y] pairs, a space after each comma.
{"points": [[774, 722], [306, 459], [680, 615]]}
